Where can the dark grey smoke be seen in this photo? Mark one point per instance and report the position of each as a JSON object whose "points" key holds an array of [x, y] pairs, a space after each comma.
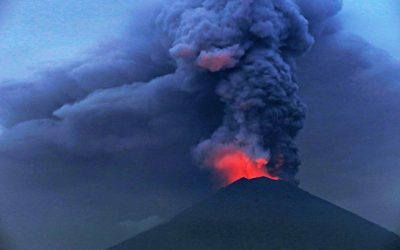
{"points": [[250, 47], [134, 97]]}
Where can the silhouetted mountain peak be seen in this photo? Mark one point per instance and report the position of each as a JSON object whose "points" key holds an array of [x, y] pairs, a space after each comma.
{"points": [[264, 214]]}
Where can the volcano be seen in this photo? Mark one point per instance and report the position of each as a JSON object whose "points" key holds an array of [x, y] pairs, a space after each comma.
{"points": [[264, 214]]}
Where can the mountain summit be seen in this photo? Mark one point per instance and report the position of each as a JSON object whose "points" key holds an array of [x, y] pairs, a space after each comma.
{"points": [[264, 214]]}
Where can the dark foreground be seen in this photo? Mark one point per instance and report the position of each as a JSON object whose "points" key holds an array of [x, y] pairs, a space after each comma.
{"points": [[264, 214]]}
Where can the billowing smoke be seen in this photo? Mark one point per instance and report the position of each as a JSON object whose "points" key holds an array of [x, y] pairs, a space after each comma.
{"points": [[250, 46], [213, 76]]}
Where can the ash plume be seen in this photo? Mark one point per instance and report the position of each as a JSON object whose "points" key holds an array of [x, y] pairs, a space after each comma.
{"points": [[185, 72], [250, 46]]}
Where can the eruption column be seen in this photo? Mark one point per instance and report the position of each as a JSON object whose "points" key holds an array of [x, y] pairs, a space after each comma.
{"points": [[250, 46]]}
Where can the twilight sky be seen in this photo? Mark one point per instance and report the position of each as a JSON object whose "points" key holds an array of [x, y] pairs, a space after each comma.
{"points": [[36, 33], [90, 192]]}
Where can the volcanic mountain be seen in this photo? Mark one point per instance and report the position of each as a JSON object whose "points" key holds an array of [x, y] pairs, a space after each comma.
{"points": [[264, 214]]}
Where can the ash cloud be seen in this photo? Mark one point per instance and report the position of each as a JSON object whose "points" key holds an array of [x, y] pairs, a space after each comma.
{"points": [[250, 46], [165, 83]]}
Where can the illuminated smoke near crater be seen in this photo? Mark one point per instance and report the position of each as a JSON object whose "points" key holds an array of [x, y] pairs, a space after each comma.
{"points": [[230, 164]]}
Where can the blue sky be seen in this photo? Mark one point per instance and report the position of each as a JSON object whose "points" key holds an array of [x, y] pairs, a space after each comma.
{"points": [[376, 21], [35, 33]]}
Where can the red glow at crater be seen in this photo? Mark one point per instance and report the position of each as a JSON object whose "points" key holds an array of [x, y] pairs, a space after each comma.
{"points": [[232, 165]]}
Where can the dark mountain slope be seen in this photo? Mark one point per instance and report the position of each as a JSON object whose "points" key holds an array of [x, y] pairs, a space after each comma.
{"points": [[264, 214]]}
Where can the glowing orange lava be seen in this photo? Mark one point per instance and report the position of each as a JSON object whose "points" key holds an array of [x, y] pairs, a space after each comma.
{"points": [[233, 165]]}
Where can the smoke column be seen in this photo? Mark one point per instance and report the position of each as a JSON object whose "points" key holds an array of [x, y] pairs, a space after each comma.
{"points": [[250, 45]]}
